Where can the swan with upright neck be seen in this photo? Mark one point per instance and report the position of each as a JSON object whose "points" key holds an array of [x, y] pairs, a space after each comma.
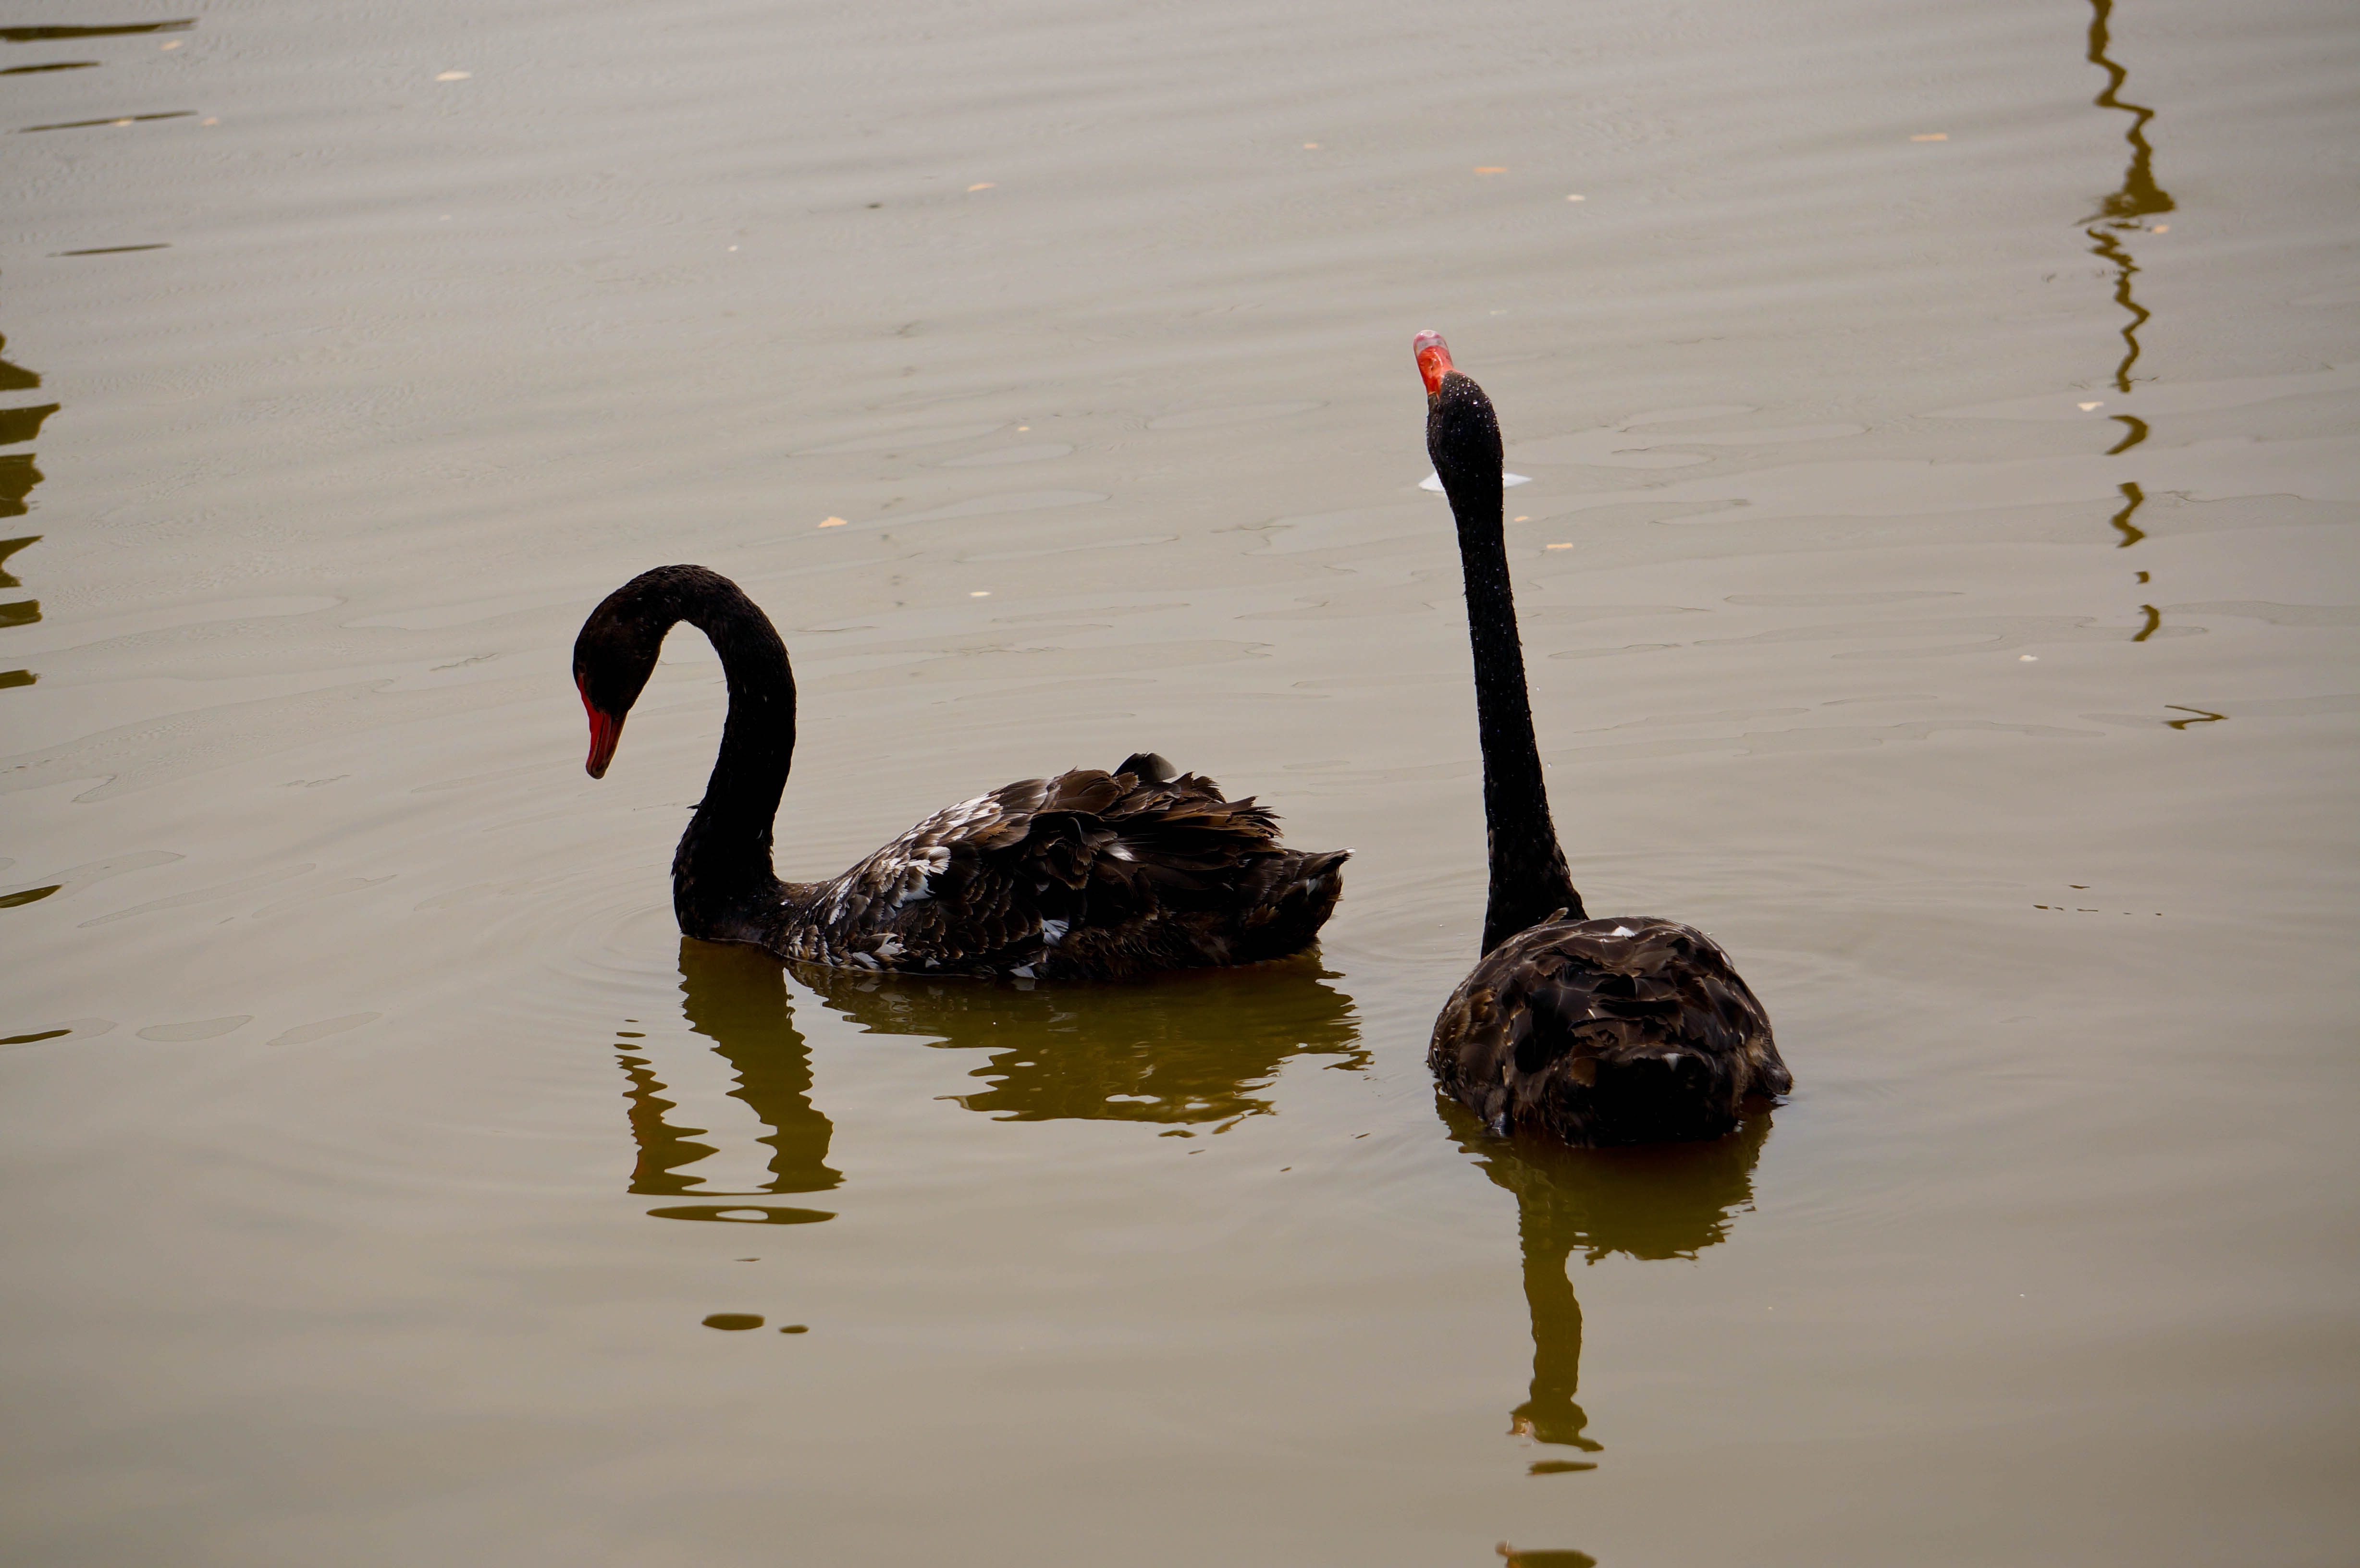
{"points": [[1630, 1030], [1088, 875]]}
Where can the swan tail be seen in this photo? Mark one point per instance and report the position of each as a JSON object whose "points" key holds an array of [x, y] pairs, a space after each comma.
{"points": [[1191, 872], [1299, 895]]}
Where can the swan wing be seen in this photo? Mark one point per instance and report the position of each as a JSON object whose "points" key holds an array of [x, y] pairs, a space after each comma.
{"points": [[1088, 872]]}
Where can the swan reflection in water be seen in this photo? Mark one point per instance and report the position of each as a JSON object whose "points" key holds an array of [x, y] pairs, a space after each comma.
{"points": [[1185, 1049], [1194, 1051], [1649, 1200], [736, 997]]}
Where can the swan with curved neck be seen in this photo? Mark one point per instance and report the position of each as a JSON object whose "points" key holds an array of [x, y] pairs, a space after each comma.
{"points": [[1089, 873], [1630, 1030]]}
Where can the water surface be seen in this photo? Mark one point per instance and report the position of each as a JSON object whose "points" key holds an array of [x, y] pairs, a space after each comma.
{"points": [[1938, 582]]}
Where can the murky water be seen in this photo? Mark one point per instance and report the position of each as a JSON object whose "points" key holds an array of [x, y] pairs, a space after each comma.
{"points": [[1938, 573]]}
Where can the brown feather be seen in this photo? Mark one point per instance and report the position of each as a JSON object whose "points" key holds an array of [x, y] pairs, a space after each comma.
{"points": [[1088, 874], [1624, 1030]]}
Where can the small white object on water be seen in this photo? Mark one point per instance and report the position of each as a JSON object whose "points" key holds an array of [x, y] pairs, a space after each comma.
{"points": [[980, 593], [1434, 481], [454, 76], [2028, 658], [2085, 407]]}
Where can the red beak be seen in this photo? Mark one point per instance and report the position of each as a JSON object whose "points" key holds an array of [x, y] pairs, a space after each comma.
{"points": [[605, 731], [1433, 360]]}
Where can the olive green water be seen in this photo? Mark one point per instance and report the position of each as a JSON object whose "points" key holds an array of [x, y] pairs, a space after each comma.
{"points": [[1938, 582]]}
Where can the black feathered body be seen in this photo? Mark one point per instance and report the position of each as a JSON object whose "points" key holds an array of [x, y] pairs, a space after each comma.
{"points": [[1085, 874], [1622, 1030]]}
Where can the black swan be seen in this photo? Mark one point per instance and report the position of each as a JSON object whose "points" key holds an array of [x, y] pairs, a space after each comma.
{"points": [[1088, 875], [1633, 1029]]}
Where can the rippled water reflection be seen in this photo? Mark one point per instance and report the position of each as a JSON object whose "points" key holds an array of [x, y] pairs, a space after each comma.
{"points": [[1937, 582]]}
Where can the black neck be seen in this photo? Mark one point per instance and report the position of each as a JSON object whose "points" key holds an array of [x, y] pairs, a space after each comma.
{"points": [[1529, 880], [723, 866]]}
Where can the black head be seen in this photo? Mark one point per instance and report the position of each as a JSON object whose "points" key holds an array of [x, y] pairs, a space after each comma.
{"points": [[617, 649], [1462, 433]]}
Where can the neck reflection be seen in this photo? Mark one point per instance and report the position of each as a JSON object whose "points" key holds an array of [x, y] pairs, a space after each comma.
{"points": [[1194, 1049], [736, 997], [1657, 1201]]}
